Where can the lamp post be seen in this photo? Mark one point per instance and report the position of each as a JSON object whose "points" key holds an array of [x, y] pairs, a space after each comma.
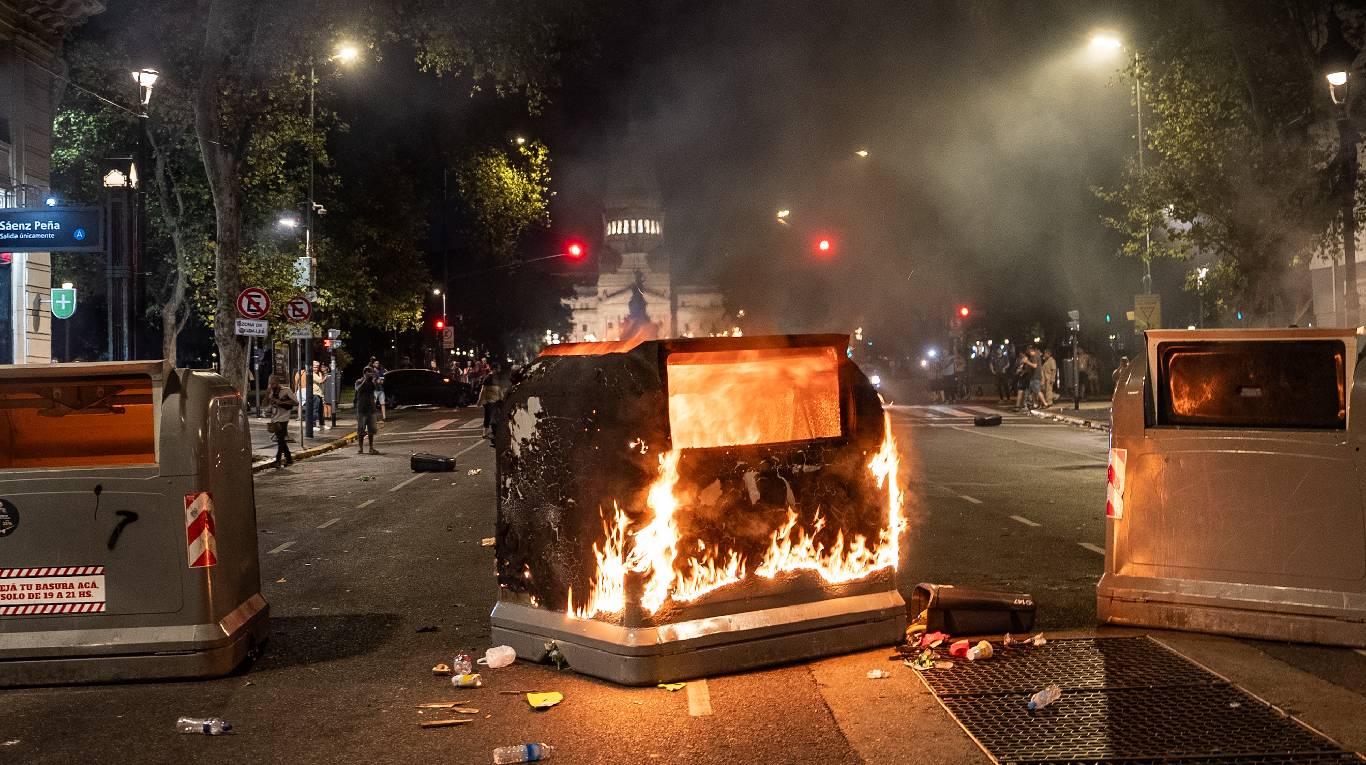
{"points": [[1105, 44], [146, 79], [1336, 60]]}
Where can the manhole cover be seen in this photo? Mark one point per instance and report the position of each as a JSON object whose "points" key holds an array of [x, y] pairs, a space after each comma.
{"points": [[1124, 699]]}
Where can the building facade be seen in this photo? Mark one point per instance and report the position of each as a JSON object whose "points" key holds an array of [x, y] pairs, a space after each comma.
{"points": [[30, 36], [634, 295]]}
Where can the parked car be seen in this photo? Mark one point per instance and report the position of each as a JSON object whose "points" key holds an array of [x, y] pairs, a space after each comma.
{"points": [[403, 387]]}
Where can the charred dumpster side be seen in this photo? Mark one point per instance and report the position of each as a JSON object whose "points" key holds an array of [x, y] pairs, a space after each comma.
{"points": [[134, 555], [1236, 501], [651, 543]]}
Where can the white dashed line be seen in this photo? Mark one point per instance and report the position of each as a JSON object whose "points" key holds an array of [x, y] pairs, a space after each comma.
{"points": [[699, 698], [366, 503], [407, 481], [1097, 549], [467, 448], [1025, 521], [973, 500], [437, 425], [281, 548], [1361, 651], [329, 523]]}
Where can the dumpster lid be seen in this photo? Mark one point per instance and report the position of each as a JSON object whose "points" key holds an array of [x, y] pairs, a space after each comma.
{"points": [[87, 369]]}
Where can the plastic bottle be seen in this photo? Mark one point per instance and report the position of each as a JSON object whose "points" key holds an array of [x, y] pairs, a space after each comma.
{"points": [[1045, 697], [209, 726], [498, 656], [463, 664], [521, 753], [980, 651]]}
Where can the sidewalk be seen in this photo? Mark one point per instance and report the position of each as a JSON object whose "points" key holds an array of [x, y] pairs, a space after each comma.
{"points": [[1091, 414], [263, 443]]}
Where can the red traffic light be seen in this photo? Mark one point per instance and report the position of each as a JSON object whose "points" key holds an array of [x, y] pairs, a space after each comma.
{"points": [[440, 324], [963, 311], [823, 245], [575, 250], [327, 342]]}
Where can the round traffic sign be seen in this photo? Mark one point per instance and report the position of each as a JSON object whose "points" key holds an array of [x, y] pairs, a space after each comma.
{"points": [[298, 309], [253, 303]]}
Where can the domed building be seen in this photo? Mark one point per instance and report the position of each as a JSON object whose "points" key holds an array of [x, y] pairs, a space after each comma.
{"points": [[634, 295]]}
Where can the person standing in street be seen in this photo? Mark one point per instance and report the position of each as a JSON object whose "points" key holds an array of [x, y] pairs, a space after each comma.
{"points": [[490, 394], [1000, 369], [330, 380], [315, 398], [282, 404], [1048, 374], [379, 387], [366, 389]]}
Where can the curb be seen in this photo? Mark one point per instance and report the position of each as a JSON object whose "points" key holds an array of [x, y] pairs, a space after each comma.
{"points": [[1073, 420], [311, 451]]}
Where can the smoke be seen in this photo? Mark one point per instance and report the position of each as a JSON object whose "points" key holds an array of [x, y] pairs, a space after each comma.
{"points": [[987, 126]]}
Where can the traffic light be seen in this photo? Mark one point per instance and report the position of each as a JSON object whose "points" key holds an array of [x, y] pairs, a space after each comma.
{"points": [[327, 343], [575, 250], [1107, 318], [823, 245], [1240, 314], [440, 324], [964, 312]]}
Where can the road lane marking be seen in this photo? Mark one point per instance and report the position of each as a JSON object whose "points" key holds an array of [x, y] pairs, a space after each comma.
{"points": [[1361, 651], [980, 432], [1093, 548], [699, 699], [437, 425], [407, 481], [467, 448], [281, 548], [477, 422], [973, 500], [1025, 521], [329, 523], [366, 503]]}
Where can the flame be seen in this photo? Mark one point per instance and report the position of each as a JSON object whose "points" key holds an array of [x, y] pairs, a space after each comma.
{"points": [[595, 349], [653, 552]]}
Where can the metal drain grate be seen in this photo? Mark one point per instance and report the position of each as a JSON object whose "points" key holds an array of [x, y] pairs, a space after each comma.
{"points": [[1124, 699], [1138, 662]]}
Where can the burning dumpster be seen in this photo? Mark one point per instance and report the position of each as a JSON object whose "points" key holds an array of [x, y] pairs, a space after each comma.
{"points": [[677, 508]]}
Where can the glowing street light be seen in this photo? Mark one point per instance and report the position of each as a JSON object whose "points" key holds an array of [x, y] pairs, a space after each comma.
{"points": [[1335, 61], [521, 140], [862, 153], [1102, 42], [346, 53], [287, 221], [146, 78], [783, 215]]}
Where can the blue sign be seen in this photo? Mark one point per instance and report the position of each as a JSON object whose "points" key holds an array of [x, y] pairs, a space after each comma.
{"points": [[52, 229]]}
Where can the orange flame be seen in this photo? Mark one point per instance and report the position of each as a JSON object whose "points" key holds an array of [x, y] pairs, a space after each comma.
{"points": [[653, 550], [598, 348]]}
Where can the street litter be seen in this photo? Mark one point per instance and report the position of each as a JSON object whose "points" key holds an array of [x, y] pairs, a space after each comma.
{"points": [[980, 651], [441, 669], [466, 711], [671, 687], [544, 700], [1045, 697], [281, 580], [498, 656], [466, 681], [365, 478], [474, 471], [960, 649], [431, 463], [487, 542], [878, 674], [209, 726], [440, 704], [462, 664], [555, 655], [932, 639], [1037, 641], [506, 755], [444, 723]]}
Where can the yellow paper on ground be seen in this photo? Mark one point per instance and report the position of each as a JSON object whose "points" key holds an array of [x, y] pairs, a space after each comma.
{"points": [[672, 686], [544, 700]]}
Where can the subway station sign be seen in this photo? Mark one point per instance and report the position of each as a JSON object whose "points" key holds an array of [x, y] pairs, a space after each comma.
{"points": [[52, 229]]}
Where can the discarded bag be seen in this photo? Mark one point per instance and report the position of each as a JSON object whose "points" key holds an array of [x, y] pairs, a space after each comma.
{"points": [[431, 463], [963, 611], [987, 420]]}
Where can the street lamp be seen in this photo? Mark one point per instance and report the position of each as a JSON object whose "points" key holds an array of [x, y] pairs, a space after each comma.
{"points": [[862, 153], [145, 78], [783, 215], [1336, 60], [1107, 44]]}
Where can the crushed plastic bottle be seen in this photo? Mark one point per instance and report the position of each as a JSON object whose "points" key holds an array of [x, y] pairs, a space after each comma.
{"points": [[980, 651], [498, 656], [1045, 697], [504, 755], [209, 726], [462, 664], [466, 681]]}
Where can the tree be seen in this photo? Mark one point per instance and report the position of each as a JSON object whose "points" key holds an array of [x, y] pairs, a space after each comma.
{"points": [[1238, 147]]}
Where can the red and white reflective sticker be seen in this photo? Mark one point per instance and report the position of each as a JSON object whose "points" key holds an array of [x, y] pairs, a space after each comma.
{"points": [[201, 543], [51, 590], [1114, 488]]}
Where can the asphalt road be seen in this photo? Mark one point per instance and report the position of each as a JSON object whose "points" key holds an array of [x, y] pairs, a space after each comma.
{"points": [[375, 573]]}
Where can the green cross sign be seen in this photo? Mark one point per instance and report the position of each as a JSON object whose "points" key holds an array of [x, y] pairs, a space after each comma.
{"points": [[63, 302]]}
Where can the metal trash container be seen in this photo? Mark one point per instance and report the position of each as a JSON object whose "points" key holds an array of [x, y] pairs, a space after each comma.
{"points": [[1235, 487], [127, 525]]}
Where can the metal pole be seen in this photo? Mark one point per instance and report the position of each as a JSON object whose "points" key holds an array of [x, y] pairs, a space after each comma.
{"points": [[139, 248], [246, 373], [1076, 374], [1347, 138], [257, 362], [1147, 224], [306, 402]]}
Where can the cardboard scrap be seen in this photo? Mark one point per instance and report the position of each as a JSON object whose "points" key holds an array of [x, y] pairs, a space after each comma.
{"points": [[444, 723], [441, 704], [544, 700], [672, 686], [486, 542]]}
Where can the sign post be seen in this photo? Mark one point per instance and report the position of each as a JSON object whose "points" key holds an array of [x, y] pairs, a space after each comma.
{"points": [[1147, 313], [52, 229], [1074, 324], [63, 302], [297, 311]]}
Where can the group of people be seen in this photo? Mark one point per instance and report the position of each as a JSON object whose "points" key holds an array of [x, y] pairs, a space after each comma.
{"points": [[323, 381], [1031, 378]]}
